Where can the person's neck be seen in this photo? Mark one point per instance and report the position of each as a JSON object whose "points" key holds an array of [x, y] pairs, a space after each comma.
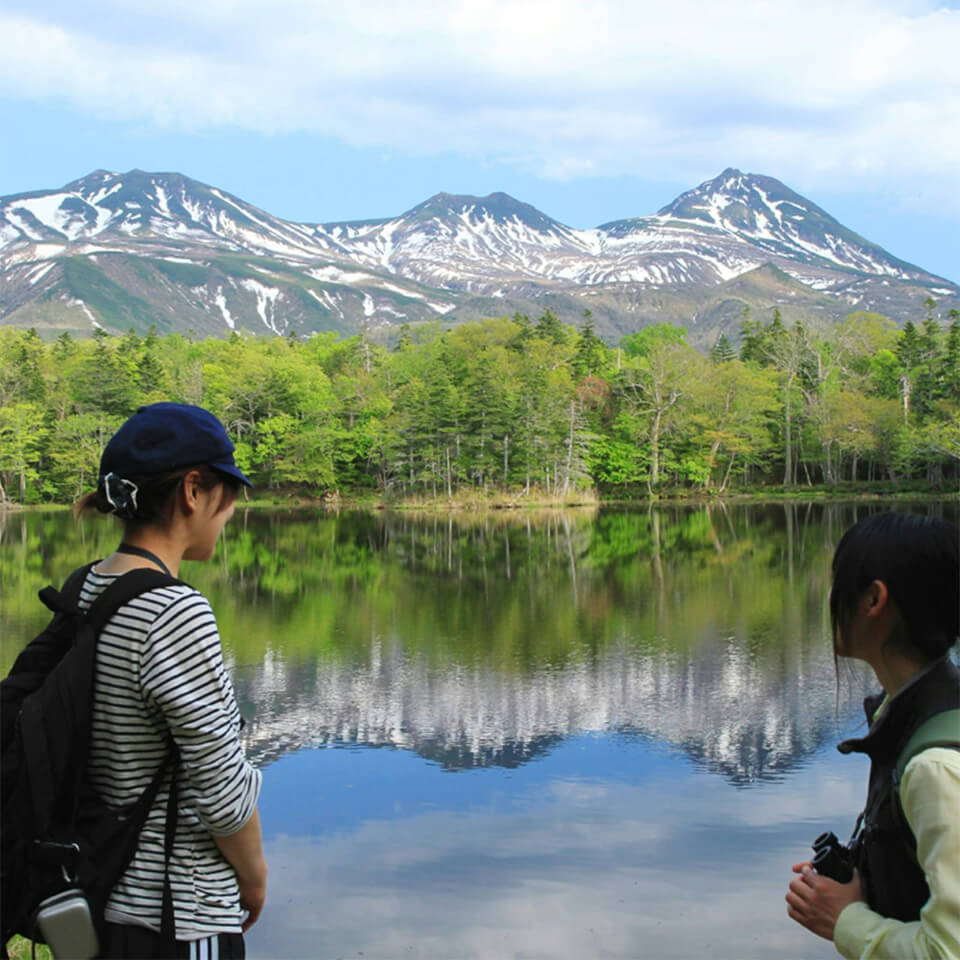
{"points": [[895, 671], [164, 545]]}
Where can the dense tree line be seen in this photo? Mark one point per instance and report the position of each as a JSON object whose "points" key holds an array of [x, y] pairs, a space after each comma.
{"points": [[510, 404]]}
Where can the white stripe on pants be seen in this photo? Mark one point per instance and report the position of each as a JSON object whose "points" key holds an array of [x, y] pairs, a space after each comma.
{"points": [[206, 949]]}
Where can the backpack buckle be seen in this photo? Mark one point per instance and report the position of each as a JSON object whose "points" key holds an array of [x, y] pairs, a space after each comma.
{"points": [[62, 855]]}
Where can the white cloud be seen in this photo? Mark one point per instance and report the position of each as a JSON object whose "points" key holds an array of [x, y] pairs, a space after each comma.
{"points": [[833, 93]]}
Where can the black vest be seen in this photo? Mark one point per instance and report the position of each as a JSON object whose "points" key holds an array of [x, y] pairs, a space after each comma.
{"points": [[886, 848]]}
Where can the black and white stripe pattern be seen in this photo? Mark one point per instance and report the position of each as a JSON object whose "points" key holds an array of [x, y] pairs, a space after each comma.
{"points": [[160, 672], [206, 949]]}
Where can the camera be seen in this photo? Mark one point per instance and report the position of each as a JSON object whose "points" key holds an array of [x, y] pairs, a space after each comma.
{"points": [[66, 926], [833, 859]]}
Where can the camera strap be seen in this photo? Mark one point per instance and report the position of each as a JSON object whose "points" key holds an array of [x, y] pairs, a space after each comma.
{"points": [[135, 551]]}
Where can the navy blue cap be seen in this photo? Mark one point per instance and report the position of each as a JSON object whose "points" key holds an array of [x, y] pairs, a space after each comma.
{"points": [[165, 436]]}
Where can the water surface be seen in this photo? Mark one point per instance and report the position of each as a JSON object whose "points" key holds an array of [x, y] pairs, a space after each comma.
{"points": [[560, 735]]}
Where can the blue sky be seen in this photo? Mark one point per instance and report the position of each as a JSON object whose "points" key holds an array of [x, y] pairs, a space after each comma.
{"points": [[591, 111]]}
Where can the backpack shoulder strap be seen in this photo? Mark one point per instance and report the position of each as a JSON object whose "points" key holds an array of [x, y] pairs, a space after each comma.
{"points": [[67, 598], [123, 590], [941, 730]]}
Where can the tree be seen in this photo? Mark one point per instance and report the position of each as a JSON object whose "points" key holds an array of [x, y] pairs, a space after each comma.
{"points": [[592, 356], [657, 335], [654, 383], [908, 352], [549, 328], [949, 374], [789, 352], [22, 434], [735, 404], [721, 351]]}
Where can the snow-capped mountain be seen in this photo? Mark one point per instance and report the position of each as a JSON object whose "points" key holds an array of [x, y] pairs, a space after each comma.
{"points": [[141, 249], [135, 249], [713, 233], [465, 243], [137, 206]]}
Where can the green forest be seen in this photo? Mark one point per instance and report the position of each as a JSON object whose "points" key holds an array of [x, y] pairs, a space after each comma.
{"points": [[510, 406]]}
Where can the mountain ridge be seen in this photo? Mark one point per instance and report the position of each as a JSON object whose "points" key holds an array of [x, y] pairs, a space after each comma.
{"points": [[453, 255]]}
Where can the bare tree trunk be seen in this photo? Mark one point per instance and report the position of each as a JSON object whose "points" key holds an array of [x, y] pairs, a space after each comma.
{"points": [[714, 449], [566, 479], [506, 444], [788, 474], [906, 388], [726, 476], [483, 427], [654, 451]]}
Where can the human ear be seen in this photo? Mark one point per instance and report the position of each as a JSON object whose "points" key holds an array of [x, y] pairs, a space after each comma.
{"points": [[190, 489], [876, 598]]}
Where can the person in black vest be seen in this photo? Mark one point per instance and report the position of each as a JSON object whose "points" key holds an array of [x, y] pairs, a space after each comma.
{"points": [[895, 604]]}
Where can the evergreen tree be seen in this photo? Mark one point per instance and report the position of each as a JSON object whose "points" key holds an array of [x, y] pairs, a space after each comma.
{"points": [[722, 352], [405, 340], [591, 354], [524, 332], [549, 328], [949, 376], [908, 352]]}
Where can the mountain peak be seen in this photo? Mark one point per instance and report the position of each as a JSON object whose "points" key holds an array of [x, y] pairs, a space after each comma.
{"points": [[498, 206], [768, 213], [450, 208]]}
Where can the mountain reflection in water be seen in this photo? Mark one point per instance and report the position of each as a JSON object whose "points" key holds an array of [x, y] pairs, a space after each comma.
{"points": [[480, 639], [745, 719]]}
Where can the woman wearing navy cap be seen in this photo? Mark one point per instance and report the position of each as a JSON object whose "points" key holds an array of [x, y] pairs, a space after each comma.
{"points": [[170, 476]]}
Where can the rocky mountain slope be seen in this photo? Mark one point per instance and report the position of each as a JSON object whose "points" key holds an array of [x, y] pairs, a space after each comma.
{"points": [[141, 249]]}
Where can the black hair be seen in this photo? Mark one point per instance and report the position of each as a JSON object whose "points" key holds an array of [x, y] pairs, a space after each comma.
{"points": [[155, 492], [916, 558]]}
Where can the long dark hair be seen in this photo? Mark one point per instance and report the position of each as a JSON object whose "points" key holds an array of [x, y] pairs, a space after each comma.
{"points": [[916, 558]]}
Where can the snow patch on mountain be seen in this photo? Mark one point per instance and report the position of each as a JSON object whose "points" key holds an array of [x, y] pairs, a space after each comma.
{"points": [[267, 298], [221, 301], [40, 272]]}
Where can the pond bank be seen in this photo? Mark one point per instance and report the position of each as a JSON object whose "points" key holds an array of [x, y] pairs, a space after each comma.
{"points": [[470, 501]]}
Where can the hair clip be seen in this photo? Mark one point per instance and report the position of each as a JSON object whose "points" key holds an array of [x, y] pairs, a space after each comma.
{"points": [[121, 494]]}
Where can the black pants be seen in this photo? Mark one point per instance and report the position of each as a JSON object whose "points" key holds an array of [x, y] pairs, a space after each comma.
{"points": [[121, 942]]}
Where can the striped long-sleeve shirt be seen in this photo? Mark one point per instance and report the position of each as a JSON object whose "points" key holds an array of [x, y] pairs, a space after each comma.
{"points": [[160, 672]]}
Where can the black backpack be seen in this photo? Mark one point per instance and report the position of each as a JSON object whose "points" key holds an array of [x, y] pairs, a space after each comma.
{"points": [[55, 832]]}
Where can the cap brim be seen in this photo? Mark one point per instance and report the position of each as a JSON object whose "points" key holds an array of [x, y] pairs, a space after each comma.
{"points": [[231, 470]]}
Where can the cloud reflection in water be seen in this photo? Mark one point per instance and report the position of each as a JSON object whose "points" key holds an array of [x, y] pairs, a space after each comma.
{"points": [[672, 863]]}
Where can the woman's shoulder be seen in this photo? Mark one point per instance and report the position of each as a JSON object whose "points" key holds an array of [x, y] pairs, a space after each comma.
{"points": [[934, 762], [154, 604], [930, 788]]}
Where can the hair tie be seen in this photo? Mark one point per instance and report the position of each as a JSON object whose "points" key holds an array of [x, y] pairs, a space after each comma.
{"points": [[120, 494]]}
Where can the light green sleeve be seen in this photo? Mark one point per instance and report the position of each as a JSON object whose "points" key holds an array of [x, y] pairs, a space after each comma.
{"points": [[930, 792]]}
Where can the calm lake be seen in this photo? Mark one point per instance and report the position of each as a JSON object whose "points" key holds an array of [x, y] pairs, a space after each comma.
{"points": [[542, 735]]}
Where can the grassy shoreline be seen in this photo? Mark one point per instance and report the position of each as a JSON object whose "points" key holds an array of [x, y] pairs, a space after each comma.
{"points": [[471, 501], [19, 948]]}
